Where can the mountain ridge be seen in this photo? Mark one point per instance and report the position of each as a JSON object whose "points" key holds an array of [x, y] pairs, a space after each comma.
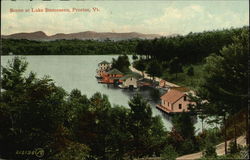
{"points": [[40, 35]]}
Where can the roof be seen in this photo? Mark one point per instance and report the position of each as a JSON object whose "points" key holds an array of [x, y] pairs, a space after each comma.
{"points": [[131, 75], [114, 71], [172, 96], [104, 62]]}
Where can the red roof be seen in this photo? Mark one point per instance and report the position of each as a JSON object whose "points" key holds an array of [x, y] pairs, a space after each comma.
{"points": [[172, 96]]}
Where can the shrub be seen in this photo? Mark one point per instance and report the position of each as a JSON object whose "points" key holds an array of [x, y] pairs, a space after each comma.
{"points": [[190, 71], [234, 148], [188, 147], [169, 153], [210, 150]]}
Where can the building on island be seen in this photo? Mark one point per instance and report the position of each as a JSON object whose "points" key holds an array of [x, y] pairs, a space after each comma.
{"points": [[175, 101], [112, 77], [103, 67], [130, 81]]}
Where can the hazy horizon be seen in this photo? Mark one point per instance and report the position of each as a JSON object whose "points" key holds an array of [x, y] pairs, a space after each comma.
{"points": [[119, 32]]}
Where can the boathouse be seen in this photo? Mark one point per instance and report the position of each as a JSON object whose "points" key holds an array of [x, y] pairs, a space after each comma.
{"points": [[112, 76], [174, 101], [130, 81]]}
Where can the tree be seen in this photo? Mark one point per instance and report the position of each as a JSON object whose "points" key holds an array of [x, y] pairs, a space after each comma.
{"points": [[140, 119], [134, 57], [119, 136], [94, 126], [34, 109], [190, 71], [144, 47], [169, 153], [36, 113], [175, 66], [73, 151], [121, 63], [140, 65], [147, 131], [226, 78], [154, 69], [209, 151], [76, 103], [184, 125]]}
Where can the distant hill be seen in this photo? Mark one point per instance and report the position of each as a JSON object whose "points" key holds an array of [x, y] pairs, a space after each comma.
{"points": [[81, 35]]}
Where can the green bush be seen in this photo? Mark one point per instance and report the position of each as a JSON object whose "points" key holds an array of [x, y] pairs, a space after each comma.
{"points": [[190, 71], [188, 147], [234, 148], [210, 151], [169, 153]]}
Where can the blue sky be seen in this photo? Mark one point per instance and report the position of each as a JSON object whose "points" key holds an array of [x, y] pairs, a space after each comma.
{"points": [[159, 17]]}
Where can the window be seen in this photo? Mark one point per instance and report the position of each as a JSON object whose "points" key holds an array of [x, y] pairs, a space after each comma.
{"points": [[179, 106], [185, 98]]}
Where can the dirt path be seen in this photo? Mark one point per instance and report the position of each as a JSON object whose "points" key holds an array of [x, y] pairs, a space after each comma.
{"points": [[219, 149], [156, 78]]}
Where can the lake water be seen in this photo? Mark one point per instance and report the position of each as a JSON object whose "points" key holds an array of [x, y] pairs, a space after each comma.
{"points": [[79, 72]]}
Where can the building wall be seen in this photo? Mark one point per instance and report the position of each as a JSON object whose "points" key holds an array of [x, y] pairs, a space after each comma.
{"points": [[107, 78], [130, 81], [166, 104], [183, 103], [175, 106], [104, 66], [101, 72]]}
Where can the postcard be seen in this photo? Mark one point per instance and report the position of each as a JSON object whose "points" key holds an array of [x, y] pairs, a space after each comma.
{"points": [[133, 79]]}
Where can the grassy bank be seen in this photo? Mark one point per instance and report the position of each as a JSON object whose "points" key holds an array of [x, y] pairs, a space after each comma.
{"points": [[184, 79]]}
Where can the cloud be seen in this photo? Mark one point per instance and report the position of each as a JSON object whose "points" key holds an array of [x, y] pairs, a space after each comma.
{"points": [[164, 19], [195, 18]]}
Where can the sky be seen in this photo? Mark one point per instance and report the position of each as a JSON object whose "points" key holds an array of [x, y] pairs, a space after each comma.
{"points": [[150, 17]]}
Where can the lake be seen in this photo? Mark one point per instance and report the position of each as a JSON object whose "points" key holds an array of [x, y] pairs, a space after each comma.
{"points": [[79, 72]]}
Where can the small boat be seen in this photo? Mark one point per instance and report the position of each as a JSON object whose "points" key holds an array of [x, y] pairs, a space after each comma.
{"points": [[98, 77], [121, 86]]}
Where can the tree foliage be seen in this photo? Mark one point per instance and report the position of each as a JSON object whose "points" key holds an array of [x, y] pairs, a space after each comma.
{"points": [[140, 65], [226, 77], [121, 63], [224, 86], [33, 109], [68, 47], [154, 69], [191, 48], [35, 113]]}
